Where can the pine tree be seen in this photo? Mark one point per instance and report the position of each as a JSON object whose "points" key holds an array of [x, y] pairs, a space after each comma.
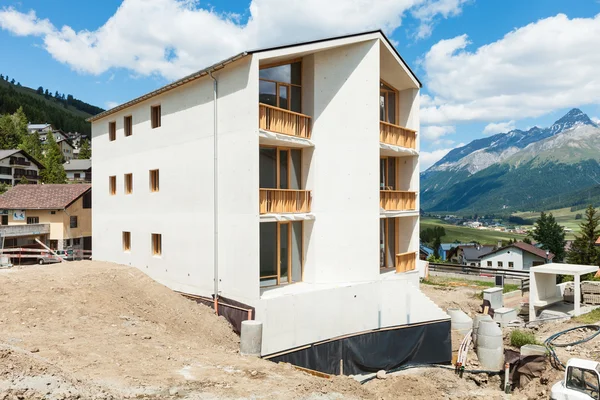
{"points": [[583, 251], [85, 151], [54, 171], [23, 180], [551, 235], [32, 146], [20, 123]]}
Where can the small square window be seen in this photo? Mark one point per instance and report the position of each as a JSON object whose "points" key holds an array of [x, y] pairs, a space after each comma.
{"points": [[76, 241], [128, 183], [73, 222], [154, 181], [33, 220], [128, 125], [112, 131], [126, 241], [511, 264], [489, 263], [112, 185], [156, 244], [155, 112], [499, 264]]}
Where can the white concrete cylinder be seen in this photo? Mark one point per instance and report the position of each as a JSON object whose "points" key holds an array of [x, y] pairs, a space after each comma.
{"points": [[478, 318], [251, 338], [490, 346], [459, 321]]}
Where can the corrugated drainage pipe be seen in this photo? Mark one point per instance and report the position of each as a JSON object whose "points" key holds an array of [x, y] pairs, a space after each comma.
{"points": [[215, 195]]}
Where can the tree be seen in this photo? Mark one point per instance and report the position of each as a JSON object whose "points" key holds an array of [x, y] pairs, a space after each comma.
{"points": [[40, 90], [551, 235], [85, 151], [4, 187], [527, 240], [12, 81], [31, 145], [23, 180], [12, 128], [583, 250], [436, 247], [54, 172], [46, 93], [578, 216]]}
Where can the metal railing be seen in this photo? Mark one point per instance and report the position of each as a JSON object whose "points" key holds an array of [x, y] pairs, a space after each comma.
{"points": [[288, 122], [521, 275]]}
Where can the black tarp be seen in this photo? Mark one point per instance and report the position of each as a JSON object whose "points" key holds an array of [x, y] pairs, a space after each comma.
{"points": [[233, 311], [373, 351]]}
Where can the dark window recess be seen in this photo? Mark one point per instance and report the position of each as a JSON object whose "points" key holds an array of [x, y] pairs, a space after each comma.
{"points": [[5, 170], [5, 220], [73, 222], [87, 200], [128, 125], [33, 220], [155, 112], [76, 241]]}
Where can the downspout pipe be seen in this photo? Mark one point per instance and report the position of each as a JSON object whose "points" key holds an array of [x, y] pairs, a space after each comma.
{"points": [[215, 195]]}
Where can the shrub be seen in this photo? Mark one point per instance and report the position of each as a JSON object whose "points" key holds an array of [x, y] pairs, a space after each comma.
{"points": [[520, 338]]}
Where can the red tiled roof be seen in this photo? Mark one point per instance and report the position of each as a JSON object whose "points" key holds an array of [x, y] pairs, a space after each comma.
{"points": [[28, 197]]}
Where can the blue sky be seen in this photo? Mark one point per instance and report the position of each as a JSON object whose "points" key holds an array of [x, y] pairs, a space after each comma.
{"points": [[487, 66]]}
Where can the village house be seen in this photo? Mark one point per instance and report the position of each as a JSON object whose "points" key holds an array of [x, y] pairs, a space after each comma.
{"points": [[60, 216], [519, 255], [78, 170], [16, 166], [67, 148], [470, 254], [239, 204]]}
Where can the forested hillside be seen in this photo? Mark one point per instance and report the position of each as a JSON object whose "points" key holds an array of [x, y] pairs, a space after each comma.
{"points": [[40, 106]]}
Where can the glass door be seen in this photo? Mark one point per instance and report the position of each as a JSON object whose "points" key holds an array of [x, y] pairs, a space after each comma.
{"points": [[387, 103]]}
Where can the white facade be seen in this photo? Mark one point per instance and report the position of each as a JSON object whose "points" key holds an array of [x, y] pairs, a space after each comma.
{"points": [[521, 260], [342, 289]]}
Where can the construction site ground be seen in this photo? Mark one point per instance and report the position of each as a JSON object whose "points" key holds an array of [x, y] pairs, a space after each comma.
{"points": [[94, 330]]}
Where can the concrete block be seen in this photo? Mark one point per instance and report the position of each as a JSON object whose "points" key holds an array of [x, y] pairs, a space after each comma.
{"points": [[504, 315], [494, 296]]}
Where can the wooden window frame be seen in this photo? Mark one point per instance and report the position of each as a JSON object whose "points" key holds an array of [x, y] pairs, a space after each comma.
{"points": [[154, 178], [279, 83], [289, 164], [128, 183], [112, 185], [33, 220], [156, 243], [385, 243], [73, 218], [112, 131], [289, 246], [126, 241], [128, 125], [387, 175], [155, 117], [387, 92]]}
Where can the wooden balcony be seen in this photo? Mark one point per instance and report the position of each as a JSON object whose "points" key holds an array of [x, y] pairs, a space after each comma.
{"points": [[284, 201], [397, 135], [287, 122], [397, 200], [406, 262]]}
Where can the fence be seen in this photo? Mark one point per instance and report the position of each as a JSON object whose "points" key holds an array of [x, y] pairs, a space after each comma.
{"points": [[19, 254], [521, 275]]}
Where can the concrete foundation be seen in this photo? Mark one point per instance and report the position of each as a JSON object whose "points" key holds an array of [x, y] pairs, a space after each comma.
{"points": [[251, 338]]}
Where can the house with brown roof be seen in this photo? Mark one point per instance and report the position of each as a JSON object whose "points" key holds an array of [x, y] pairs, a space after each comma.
{"points": [[518, 255], [58, 215]]}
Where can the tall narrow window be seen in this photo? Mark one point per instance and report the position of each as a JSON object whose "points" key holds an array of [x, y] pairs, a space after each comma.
{"points": [[126, 241], [128, 125], [280, 168], [73, 221], [112, 185], [387, 103], [154, 180], [128, 183], [155, 112], [156, 244], [112, 131]]}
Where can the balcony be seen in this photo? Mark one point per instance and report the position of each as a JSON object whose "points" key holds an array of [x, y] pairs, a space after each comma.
{"points": [[397, 200], [20, 174], [24, 230], [19, 161], [281, 201], [406, 262], [397, 135], [283, 121]]}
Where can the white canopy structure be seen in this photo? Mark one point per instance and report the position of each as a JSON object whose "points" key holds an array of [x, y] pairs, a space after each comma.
{"points": [[543, 290]]}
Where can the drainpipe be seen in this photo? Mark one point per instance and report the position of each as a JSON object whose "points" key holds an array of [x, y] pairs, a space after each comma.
{"points": [[215, 197]]}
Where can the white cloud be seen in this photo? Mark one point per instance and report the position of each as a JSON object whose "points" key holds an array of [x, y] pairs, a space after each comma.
{"points": [[595, 119], [544, 66], [433, 132], [499, 127], [111, 104], [428, 158], [172, 38], [432, 9]]}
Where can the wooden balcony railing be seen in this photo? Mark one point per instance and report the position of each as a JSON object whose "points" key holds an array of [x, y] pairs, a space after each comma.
{"points": [[397, 200], [397, 135], [406, 262], [284, 201], [278, 120]]}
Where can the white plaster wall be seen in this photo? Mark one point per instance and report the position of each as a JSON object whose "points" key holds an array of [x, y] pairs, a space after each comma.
{"points": [[512, 254], [6, 163], [529, 258]]}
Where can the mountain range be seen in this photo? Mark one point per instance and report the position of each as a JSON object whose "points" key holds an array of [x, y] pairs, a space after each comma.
{"points": [[537, 169]]}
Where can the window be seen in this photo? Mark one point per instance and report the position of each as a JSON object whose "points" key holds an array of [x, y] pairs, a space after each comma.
{"points": [[499, 264], [52, 212], [73, 222], [280, 253], [33, 220], [126, 241], [511, 264], [112, 131], [387, 173], [128, 125], [280, 168], [77, 175], [280, 86], [583, 380], [54, 244], [68, 242], [5, 170], [155, 112], [112, 185], [87, 200], [128, 183], [156, 244], [4, 219], [154, 181], [489, 263], [76, 241], [387, 103]]}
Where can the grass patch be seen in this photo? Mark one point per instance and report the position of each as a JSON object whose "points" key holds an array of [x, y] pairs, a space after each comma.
{"points": [[520, 338], [465, 234], [589, 318]]}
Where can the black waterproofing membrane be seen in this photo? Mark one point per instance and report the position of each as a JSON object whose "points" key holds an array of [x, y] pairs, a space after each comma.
{"points": [[234, 315], [373, 351]]}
